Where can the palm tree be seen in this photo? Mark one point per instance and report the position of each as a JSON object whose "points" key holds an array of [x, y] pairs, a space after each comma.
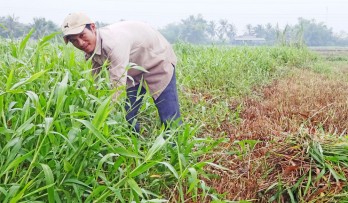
{"points": [[226, 31]]}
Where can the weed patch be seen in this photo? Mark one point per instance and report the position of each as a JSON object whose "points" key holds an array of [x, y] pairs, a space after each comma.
{"points": [[271, 150]]}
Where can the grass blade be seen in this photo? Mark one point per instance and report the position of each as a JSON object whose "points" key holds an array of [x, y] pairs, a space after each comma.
{"points": [[49, 182], [141, 169], [29, 80], [102, 113], [135, 186], [24, 42]]}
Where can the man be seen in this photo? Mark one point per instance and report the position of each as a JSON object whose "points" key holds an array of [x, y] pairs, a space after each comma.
{"points": [[124, 44]]}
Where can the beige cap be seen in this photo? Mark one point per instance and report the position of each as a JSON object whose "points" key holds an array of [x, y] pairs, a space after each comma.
{"points": [[74, 23]]}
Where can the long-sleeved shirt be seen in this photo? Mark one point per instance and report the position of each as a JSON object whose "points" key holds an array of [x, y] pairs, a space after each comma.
{"points": [[129, 43]]}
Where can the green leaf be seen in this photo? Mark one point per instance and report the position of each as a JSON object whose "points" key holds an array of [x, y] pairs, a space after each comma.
{"points": [[309, 181], [157, 145], [335, 174], [102, 113], [3, 191], [171, 168], [35, 99], [11, 143], [26, 125], [2, 114], [45, 39], [61, 90], [193, 184], [100, 136], [25, 40], [12, 192], [22, 192], [49, 182], [141, 169], [104, 159], [9, 79], [96, 192], [31, 79], [17, 161], [77, 182], [48, 124], [134, 186], [291, 195], [67, 166], [36, 191], [137, 67], [124, 152]]}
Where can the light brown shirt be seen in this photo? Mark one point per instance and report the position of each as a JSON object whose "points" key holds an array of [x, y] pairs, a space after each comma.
{"points": [[130, 43]]}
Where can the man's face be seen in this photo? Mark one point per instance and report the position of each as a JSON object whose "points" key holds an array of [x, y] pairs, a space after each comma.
{"points": [[86, 40]]}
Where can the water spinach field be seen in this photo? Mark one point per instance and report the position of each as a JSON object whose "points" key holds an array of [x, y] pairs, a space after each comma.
{"points": [[261, 124]]}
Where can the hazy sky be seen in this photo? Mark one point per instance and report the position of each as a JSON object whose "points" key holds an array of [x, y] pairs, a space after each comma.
{"points": [[334, 13]]}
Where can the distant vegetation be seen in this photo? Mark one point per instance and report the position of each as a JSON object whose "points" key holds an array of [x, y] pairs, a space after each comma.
{"points": [[197, 30]]}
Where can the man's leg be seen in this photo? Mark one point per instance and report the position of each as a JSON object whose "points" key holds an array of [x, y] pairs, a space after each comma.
{"points": [[133, 104], [168, 104]]}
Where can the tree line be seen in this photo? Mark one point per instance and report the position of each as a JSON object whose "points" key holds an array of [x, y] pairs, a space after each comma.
{"points": [[197, 30]]}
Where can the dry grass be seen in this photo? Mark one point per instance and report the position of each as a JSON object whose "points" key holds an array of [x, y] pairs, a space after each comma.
{"points": [[305, 98], [304, 103]]}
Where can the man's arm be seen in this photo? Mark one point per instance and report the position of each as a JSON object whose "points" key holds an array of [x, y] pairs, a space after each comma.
{"points": [[119, 60]]}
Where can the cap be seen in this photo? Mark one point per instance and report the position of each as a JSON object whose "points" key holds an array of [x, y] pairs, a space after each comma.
{"points": [[74, 23]]}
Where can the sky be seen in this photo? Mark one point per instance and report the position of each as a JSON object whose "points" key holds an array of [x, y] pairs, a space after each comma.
{"points": [[333, 13]]}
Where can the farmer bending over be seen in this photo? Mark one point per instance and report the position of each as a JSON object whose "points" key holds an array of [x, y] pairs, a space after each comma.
{"points": [[129, 43]]}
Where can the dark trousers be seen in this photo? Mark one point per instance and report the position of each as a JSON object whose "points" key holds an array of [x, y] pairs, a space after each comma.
{"points": [[167, 104]]}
